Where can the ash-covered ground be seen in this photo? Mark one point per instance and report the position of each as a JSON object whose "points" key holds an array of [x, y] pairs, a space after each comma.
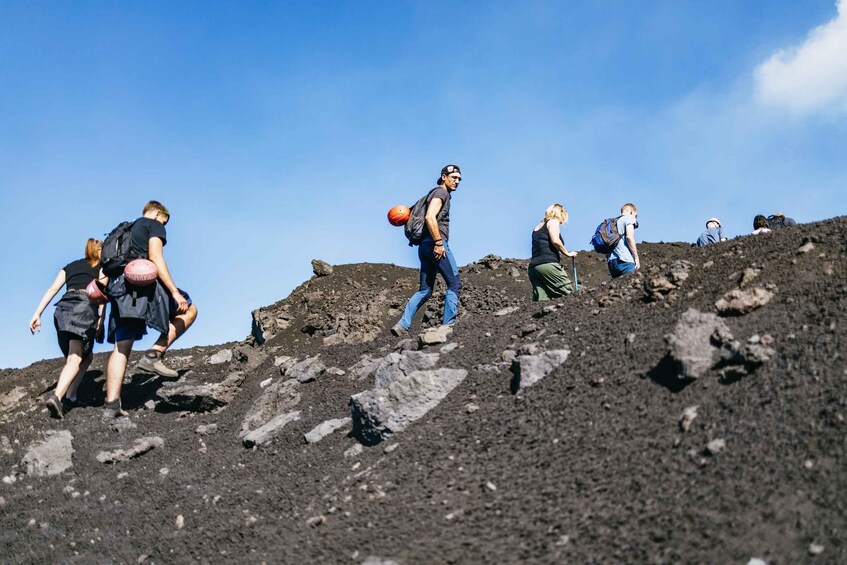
{"points": [[693, 413]]}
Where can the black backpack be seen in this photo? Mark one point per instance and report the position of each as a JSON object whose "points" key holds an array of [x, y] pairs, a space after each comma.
{"points": [[416, 224], [606, 236], [776, 222], [116, 249]]}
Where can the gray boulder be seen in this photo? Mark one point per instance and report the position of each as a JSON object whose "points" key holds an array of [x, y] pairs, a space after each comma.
{"points": [[203, 397], [8, 400], [279, 397], [51, 456], [267, 432], [321, 268], [434, 336], [307, 370], [529, 369], [691, 345], [381, 412], [395, 366], [739, 302], [324, 429], [222, 356], [248, 357]]}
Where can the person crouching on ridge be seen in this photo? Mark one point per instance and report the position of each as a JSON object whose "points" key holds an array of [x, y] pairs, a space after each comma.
{"points": [[161, 306], [713, 233], [78, 322], [434, 253], [548, 278]]}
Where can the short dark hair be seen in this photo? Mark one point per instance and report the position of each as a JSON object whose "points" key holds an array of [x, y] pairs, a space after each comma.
{"points": [[157, 206], [760, 222]]}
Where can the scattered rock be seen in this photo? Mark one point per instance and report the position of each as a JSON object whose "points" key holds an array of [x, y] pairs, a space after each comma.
{"points": [[381, 412], [506, 311], [490, 486], [390, 448], [139, 448], [691, 345], [9, 400], [529, 369], [123, 424], [715, 446], [396, 366], [448, 347], [248, 357], [757, 561], [748, 276], [280, 397], [434, 336], [206, 429], [51, 456], [200, 397], [354, 450], [265, 383], [739, 302], [222, 356], [267, 432], [470, 408], [324, 429], [364, 367], [815, 549], [805, 248], [179, 522], [687, 418], [321, 268], [316, 521], [282, 360], [374, 560], [307, 370]]}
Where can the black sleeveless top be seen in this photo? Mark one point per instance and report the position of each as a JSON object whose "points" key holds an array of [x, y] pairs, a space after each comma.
{"points": [[542, 250]]}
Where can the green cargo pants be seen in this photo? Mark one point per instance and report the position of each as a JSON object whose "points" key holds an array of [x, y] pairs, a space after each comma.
{"points": [[549, 281]]}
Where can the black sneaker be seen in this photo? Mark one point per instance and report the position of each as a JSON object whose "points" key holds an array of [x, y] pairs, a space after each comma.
{"points": [[113, 410], [54, 405]]}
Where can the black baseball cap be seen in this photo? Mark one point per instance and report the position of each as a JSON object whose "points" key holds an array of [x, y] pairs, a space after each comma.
{"points": [[447, 170]]}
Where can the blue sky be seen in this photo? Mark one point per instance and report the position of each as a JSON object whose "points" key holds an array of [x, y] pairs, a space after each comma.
{"points": [[280, 132]]}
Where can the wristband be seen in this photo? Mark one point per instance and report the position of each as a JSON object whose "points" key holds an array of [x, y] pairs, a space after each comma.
{"points": [[438, 241]]}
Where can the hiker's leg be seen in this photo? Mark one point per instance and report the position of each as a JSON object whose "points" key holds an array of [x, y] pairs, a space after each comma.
{"points": [[177, 326], [83, 368], [450, 271], [538, 294], [427, 276], [72, 366], [116, 369]]}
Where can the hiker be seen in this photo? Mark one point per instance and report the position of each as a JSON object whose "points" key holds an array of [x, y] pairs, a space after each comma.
{"points": [[623, 259], [713, 233], [760, 225], [548, 278], [78, 323], [161, 306], [434, 253], [779, 220]]}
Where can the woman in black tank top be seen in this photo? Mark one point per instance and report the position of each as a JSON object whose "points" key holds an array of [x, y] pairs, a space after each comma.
{"points": [[548, 278], [78, 322]]}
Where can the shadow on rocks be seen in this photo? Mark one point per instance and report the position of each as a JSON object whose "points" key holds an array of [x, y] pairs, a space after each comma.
{"points": [[666, 374]]}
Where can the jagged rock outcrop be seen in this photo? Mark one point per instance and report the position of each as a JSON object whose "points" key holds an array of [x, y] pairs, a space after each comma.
{"points": [[51, 456], [200, 397]]}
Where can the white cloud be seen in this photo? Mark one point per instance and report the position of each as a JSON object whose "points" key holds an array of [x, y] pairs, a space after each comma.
{"points": [[812, 76]]}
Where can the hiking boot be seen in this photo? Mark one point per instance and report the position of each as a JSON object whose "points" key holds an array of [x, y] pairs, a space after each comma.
{"points": [[113, 410], [54, 405], [152, 363], [399, 331]]}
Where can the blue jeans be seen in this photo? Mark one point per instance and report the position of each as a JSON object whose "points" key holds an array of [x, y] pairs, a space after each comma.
{"points": [[618, 268], [429, 267]]}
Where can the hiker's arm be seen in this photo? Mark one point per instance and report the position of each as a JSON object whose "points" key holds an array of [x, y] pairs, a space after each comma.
{"points": [[556, 237], [431, 218], [155, 253], [101, 313], [35, 322], [630, 241]]}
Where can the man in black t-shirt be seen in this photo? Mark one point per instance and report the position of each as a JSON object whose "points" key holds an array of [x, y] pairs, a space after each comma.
{"points": [[161, 306], [434, 253]]}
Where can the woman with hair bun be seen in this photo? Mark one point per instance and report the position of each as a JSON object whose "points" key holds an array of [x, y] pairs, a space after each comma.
{"points": [[548, 278], [78, 322]]}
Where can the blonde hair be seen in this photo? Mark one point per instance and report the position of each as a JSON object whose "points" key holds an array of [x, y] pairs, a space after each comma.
{"points": [[157, 206], [556, 212], [93, 247], [629, 206]]}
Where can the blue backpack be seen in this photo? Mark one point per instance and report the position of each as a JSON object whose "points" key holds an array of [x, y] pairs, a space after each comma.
{"points": [[606, 236]]}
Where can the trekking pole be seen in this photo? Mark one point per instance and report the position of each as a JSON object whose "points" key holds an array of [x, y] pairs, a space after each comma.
{"points": [[575, 280]]}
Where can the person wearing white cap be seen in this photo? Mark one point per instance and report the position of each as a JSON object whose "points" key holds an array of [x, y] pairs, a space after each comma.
{"points": [[713, 233]]}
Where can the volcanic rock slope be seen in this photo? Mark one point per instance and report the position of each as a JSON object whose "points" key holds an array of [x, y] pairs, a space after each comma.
{"points": [[633, 422]]}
